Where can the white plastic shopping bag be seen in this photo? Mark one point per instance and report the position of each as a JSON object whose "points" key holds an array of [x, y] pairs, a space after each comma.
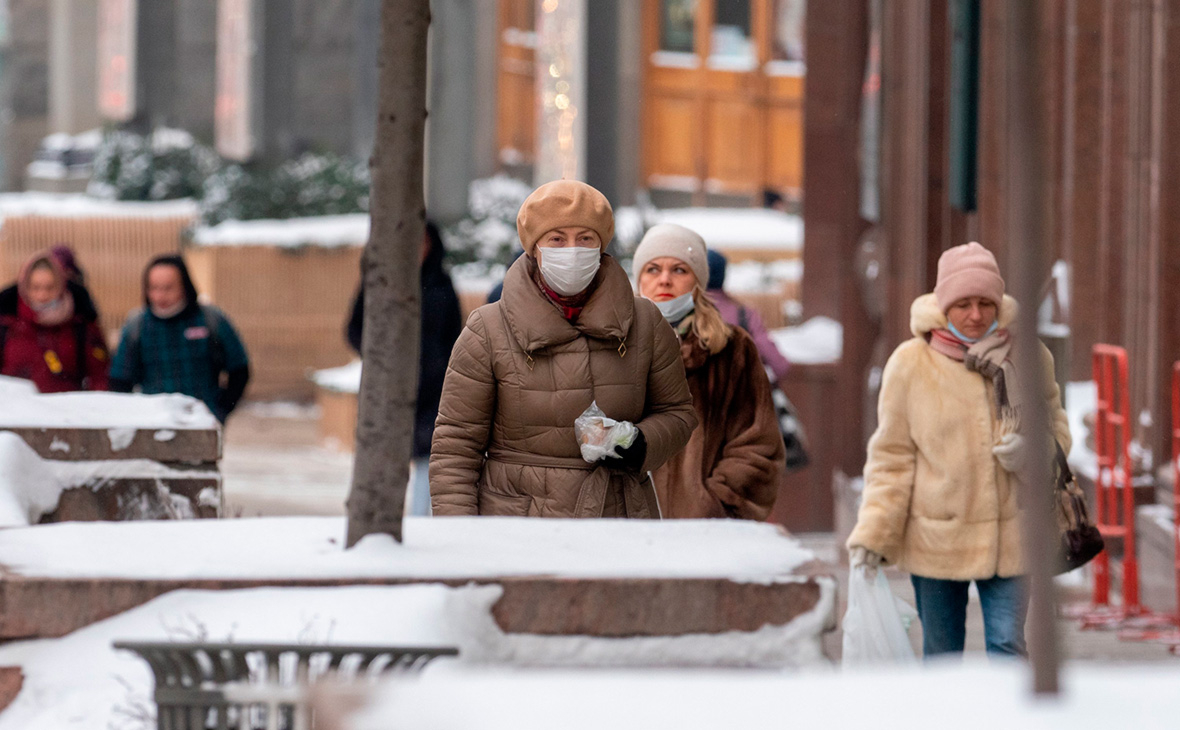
{"points": [[876, 622]]}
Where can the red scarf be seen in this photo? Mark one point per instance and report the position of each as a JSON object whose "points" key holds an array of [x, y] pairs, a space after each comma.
{"points": [[570, 307]]}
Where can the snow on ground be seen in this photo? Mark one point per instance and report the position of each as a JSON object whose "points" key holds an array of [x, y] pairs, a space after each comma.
{"points": [[818, 340], [974, 696], [757, 277], [739, 228], [1081, 399], [57, 205], [454, 547], [326, 231], [79, 682], [344, 379], [28, 486], [25, 408]]}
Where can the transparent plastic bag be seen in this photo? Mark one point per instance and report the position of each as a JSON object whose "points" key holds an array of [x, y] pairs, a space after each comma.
{"points": [[600, 437], [876, 622]]}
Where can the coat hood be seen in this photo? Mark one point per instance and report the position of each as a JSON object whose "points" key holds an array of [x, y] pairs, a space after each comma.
{"points": [[190, 290], [926, 316], [535, 322]]}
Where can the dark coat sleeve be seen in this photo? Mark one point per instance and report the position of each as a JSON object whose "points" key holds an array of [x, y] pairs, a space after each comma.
{"points": [[356, 321], [746, 473]]}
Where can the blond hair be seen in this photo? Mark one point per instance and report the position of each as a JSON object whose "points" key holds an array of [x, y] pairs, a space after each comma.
{"points": [[707, 324]]}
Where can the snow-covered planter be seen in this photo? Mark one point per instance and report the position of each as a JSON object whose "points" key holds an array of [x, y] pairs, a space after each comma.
{"points": [[114, 456], [289, 286]]}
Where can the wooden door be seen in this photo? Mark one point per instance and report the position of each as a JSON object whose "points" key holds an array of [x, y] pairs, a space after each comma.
{"points": [[723, 91]]}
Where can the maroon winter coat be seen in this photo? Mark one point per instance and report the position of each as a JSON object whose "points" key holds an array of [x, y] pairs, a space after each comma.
{"points": [[49, 356]]}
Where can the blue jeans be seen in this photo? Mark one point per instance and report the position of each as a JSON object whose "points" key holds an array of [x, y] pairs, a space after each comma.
{"points": [[418, 495], [942, 608]]}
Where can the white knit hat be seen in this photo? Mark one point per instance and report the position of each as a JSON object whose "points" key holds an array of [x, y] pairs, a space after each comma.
{"points": [[678, 242]]}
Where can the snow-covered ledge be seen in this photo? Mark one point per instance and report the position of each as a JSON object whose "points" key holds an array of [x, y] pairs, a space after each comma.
{"points": [[572, 590], [87, 456]]}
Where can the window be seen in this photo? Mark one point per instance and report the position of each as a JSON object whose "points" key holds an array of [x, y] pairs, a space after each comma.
{"points": [[788, 33], [677, 21], [731, 46]]}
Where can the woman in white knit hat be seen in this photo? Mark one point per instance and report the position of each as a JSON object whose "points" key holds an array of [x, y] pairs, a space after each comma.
{"points": [[732, 463]]}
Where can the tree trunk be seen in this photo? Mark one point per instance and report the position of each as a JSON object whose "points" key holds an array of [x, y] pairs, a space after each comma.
{"points": [[391, 262]]}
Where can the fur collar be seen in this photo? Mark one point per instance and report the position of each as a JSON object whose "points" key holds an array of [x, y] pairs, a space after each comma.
{"points": [[926, 316]]}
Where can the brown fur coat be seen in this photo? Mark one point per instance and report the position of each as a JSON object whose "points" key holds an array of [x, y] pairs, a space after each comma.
{"points": [[733, 460]]}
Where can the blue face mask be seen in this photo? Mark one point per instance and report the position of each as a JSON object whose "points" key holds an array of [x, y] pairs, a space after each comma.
{"points": [[954, 331]]}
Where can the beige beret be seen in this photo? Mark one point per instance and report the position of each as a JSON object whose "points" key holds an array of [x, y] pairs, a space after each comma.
{"points": [[669, 239], [564, 204]]}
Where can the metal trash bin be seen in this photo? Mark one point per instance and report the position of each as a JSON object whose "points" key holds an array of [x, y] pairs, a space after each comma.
{"points": [[233, 686]]}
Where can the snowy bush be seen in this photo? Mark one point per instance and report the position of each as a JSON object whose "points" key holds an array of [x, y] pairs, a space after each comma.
{"points": [[488, 234], [166, 165], [312, 185], [170, 164]]}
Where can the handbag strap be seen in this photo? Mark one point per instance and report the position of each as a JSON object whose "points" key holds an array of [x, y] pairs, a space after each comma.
{"points": [[1065, 474]]}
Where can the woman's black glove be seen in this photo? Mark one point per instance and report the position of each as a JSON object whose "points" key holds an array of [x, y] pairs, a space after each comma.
{"points": [[632, 457]]}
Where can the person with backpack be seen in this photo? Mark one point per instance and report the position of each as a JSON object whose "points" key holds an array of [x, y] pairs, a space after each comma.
{"points": [[49, 331], [175, 344]]}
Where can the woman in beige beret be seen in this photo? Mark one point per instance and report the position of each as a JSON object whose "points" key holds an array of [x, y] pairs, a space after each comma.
{"points": [[567, 332]]}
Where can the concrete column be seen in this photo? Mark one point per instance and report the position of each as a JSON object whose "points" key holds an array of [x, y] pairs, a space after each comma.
{"points": [[613, 93], [461, 125], [364, 83], [155, 65], [278, 92], [73, 73]]}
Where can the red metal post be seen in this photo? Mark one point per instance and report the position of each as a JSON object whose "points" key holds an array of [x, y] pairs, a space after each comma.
{"points": [[1169, 636], [1114, 496]]}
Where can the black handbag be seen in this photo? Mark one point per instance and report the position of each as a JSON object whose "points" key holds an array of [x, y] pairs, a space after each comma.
{"points": [[1080, 539], [794, 439]]}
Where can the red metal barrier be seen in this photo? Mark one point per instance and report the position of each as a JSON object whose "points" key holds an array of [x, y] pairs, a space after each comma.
{"points": [[1114, 492], [1170, 637]]}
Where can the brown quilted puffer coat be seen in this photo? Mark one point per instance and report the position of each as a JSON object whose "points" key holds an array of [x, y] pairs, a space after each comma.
{"points": [[521, 373]]}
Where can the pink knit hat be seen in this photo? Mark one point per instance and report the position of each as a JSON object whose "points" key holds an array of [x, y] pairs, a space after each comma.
{"points": [[968, 271]]}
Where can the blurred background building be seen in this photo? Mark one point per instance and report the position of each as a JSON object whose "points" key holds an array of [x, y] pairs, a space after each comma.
{"points": [[697, 102]]}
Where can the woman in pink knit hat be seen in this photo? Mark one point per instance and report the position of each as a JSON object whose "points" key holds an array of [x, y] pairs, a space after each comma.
{"points": [[941, 494]]}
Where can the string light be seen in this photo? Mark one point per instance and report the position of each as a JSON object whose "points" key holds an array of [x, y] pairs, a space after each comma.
{"points": [[559, 35]]}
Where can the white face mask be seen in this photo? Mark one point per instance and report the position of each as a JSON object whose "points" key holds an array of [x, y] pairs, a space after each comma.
{"points": [[677, 309], [568, 271]]}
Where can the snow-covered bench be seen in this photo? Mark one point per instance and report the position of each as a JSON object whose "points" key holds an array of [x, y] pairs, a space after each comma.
{"points": [[105, 456]]}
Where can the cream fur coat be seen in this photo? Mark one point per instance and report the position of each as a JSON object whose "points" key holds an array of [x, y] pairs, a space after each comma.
{"points": [[936, 502]]}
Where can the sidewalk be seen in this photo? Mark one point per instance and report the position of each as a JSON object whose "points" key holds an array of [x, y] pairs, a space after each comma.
{"points": [[273, 464], [1074, 644]]}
